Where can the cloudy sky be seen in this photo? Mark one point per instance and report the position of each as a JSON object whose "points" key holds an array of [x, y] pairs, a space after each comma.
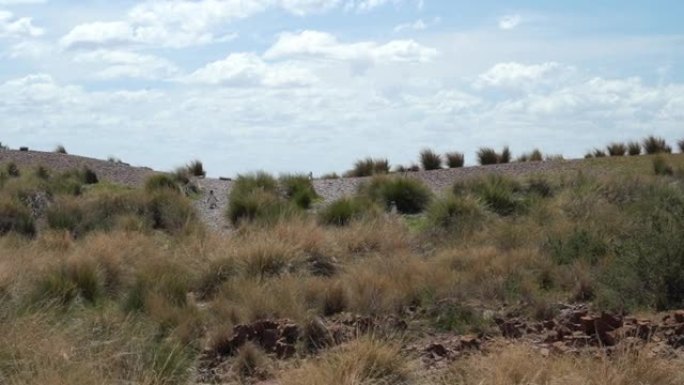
{"points": [[312, 85]]}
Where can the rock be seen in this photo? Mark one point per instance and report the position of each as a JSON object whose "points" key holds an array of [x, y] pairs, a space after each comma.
{"points": [[679, 316], [284, 350], [437, 350], [470, 342], [290, 332]]}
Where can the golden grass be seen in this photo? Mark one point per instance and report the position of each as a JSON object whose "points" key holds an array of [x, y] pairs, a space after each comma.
{"points": [[522, 365]]}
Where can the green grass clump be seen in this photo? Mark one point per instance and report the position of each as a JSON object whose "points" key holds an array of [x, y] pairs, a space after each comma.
{"points": [[196, 168], [455, 159], [369, 167], [430, 160], [345, 210], [661, 167], [616, 149], [409, 196], [299, 189], [12, 170], [487, 155], [501, 195], [160, 182], [634, 148], [455, 213], [655, 145], [15, 218], [257, 197], [534, 156]]}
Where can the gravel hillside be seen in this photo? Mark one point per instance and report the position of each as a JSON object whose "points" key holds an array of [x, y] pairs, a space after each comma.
{"points": [[329, 189]]}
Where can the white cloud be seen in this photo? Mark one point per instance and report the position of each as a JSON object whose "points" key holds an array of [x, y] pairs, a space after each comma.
{"points": [[510, 22], [125, 64], [417, 25], [326, 46], [249, 70], [17, 2], [11, 26], [517, 75]]}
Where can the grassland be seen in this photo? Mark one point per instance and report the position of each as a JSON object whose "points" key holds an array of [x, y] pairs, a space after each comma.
{"points": [[106, 284]]}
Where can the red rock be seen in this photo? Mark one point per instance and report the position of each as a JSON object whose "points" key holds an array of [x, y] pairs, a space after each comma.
{"points": [[679, 316], [437, 350], [588, 325], [284, 350], [290, 332], [470, 342]]}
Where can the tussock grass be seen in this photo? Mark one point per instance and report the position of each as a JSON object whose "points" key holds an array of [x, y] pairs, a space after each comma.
{"points": [[634, 148], [430, 160], [454, 159], [369, 167], [522, 365], [407, 195], [616, 149], [655, 145], [366, 361]]}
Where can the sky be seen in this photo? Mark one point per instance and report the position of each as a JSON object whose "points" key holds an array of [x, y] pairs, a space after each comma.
{"points": [[313, 85]]}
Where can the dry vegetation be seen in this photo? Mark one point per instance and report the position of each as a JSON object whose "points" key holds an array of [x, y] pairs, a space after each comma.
{"points": [[105, 284]]}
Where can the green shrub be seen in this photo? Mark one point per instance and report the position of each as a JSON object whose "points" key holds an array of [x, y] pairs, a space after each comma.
{"points": [[12, 170], [259, 205], [169, 211], [299, 189], [410, 196], [661, 167], [655, 145], [62, 284], [648, 269], [505, 156], [540, 186], [247, 183], [160, 182], [15, 218], [536, 156], [581, 244], [459, 213], [599, 153], [455, 159], [500, 194], [616, 149], [196, 168], [369, 167], [89, 176], [344, 210], [66, 213], [487, 155], [41, 173], [634, 148], [60, 149], [681, 145], [430, 160]]}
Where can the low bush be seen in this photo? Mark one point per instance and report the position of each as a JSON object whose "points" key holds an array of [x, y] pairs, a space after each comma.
{"points": [[501, 195], [259, 205], [409, 196], [430, 160], [681, 145], [661, 167], [344, 210], [196, 168], [599, 153], [299, 190], [12, 170], [160, 182], [60, 149], [369, 167], [455, 213], [487, 155], [505, 156], [634, 148], [15, 218], [655, 145], [534, 156], [616, 149], [455, 159]]}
